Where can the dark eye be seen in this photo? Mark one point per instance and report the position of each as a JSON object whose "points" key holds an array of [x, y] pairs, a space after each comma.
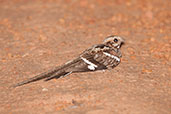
{"points": [[115, 40]]}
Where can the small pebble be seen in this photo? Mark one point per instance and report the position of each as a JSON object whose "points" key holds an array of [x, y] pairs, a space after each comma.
{"points": [[74, 106], [44, 89]]}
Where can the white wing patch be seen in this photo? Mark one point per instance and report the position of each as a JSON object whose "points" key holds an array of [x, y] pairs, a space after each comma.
{"points": [[112, 56], [91, 65]]}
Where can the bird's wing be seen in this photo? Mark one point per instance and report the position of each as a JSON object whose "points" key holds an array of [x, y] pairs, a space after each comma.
{"points": [[87, 61], [102, 56]]}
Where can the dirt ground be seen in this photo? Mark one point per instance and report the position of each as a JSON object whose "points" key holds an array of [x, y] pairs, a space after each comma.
{"points": [[37, 35]]}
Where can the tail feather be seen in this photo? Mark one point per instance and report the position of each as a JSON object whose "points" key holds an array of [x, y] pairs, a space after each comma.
{"points": [[61, 72], [56, 72], [38, 77], [56, 75]]}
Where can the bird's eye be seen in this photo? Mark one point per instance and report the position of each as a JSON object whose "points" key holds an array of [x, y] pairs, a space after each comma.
{"points": [[115, 40]]}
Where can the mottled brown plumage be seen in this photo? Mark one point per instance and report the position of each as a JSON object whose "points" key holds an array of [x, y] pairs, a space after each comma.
{"points": [[102, 56]]}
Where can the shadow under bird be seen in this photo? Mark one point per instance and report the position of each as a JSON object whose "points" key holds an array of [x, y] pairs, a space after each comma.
{"points": [[99, 57]]}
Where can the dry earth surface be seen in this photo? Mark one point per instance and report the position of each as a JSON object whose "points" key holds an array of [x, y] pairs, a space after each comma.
{"points": [[37, 35]]}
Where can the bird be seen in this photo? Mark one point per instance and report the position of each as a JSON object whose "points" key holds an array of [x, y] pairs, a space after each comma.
{"points": [[106, 55]]}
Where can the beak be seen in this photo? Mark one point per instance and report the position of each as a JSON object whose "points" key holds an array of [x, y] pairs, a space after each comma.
{"points": [[122, 42]]}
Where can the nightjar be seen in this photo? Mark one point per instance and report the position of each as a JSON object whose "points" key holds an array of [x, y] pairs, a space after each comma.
{"points": [[99, 57]]}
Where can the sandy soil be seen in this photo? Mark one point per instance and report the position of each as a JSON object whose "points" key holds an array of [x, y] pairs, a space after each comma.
{"points": [[37, 35]]}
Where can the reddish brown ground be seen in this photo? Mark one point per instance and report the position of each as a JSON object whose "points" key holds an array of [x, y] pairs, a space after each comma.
{"points": [[36, 35]]}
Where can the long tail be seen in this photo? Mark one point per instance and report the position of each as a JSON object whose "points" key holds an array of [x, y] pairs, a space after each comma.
{"points": [[47, 74], [57, 71]]}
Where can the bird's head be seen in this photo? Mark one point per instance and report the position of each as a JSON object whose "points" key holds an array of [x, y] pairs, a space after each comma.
{"points": [[114, 41]]}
